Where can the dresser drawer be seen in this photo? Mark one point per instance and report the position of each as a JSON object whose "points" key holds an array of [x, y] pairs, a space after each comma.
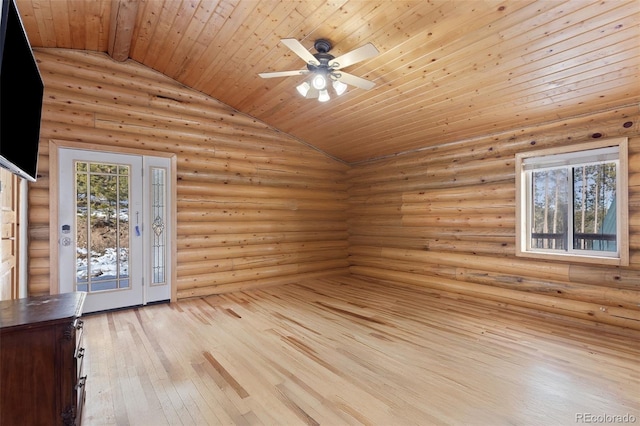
{"points": [[81, 379], [80, 398], [78, 325]]}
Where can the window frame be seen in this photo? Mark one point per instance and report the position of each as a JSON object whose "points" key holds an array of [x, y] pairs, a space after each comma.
{"points": [[523, 205]]}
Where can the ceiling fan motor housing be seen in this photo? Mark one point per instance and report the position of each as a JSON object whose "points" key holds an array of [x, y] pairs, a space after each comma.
{"points": [[323, 47]]}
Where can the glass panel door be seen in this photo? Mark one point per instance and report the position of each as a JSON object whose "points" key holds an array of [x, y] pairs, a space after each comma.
{"points": [[100, 236]]}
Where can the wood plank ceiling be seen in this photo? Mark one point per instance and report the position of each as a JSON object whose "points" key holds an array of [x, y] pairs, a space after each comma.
{"points": [[447, 70]]}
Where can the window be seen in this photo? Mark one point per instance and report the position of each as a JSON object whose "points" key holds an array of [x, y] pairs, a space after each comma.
{"points": [[572, 203]]}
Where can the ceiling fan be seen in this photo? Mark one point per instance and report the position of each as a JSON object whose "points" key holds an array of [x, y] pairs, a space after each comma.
{"points": [[325, 69]]}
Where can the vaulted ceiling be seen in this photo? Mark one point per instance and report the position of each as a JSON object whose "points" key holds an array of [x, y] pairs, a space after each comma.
{"points": [[447, 70]]}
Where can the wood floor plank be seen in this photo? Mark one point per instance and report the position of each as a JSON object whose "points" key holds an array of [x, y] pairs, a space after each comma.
{"points": [[343, 350]]}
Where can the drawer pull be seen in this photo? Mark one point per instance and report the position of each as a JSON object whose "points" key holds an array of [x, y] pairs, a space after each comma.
{"points": [[79, 324], [81, 382]]}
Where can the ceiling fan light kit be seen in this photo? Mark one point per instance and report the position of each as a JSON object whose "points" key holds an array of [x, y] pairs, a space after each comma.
{"points": [[319, 81], [339, 87], [323, 96], [303, 88], [324, 67]]}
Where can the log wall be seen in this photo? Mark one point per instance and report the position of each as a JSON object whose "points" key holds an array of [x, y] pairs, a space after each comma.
{"points": [[444, 218], [255, 206]]}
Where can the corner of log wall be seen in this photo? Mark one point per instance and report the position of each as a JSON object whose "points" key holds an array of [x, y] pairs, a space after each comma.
{"points": [[444, 218], [255, 207]]}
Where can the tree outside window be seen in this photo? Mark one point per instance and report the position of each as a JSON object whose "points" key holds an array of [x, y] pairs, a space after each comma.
{"points": [[572, 202]]}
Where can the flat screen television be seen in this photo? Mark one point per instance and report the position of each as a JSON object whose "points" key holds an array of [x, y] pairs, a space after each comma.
{"points": [[21, 96]]}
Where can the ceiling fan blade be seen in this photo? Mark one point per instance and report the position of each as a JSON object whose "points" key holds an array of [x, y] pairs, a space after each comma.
{"points": [[360, 54], [283, 73], [297, 48], [354, 80]]}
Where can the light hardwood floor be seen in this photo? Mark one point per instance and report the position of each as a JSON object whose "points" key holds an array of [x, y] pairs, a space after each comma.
{"points": [[345, 351]]}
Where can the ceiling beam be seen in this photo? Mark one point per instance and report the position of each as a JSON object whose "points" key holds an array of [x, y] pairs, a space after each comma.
{"points": [[123, 18]]}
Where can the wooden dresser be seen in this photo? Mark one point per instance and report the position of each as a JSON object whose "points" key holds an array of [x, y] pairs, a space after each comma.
{"points": [[41, 354]]}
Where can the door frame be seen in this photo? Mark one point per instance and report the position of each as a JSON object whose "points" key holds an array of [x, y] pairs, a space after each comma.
{"points": [[54, 146], [18, 197]]}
